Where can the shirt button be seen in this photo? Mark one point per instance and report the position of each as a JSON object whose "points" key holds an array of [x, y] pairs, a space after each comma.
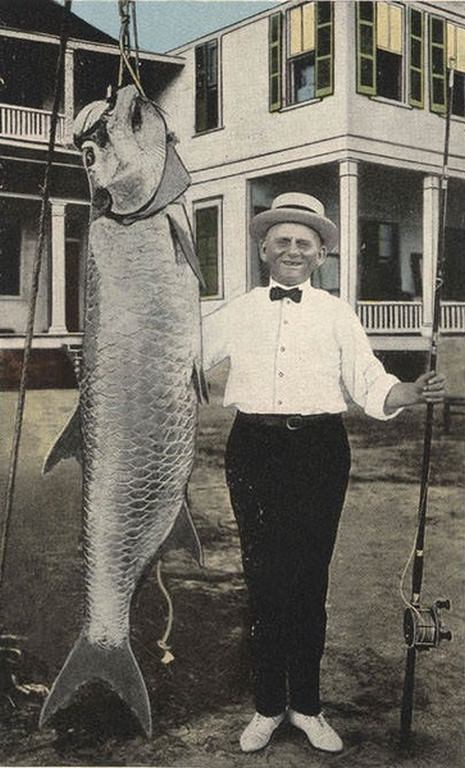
{"points": [[282, 349], [280, 373], [286, 322], [280, 402]]}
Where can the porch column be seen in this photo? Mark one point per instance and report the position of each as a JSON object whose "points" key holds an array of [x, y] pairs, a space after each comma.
{"points": [[348, 235], [58, 318], [69, 96], [431, 189]]}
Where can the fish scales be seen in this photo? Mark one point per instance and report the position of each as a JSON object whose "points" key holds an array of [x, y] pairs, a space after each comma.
{"points": [[139, 400], [134, 431]]}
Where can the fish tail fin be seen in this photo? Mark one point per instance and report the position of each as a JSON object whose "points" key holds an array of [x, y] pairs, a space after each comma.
{"points": [[116, 666]]}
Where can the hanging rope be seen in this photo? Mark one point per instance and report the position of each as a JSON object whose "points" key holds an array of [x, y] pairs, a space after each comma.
{"points": [[125, 48], [34, 292]]}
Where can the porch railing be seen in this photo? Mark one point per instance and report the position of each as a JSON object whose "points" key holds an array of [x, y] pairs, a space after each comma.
{"points": [[405, 317], [453, 316], [28, 123], [390, 316]]}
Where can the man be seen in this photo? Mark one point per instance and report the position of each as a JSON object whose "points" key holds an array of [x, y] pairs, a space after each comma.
{"points": [[296, 355]]}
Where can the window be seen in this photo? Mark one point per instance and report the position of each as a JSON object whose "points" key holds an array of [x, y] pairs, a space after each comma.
{"points": [[389, 47], [380, 50], [456, 51], [10, 255], [308, 54], [453, 288], [416, 58], [206, 86], [379, 277], [207, 228]]}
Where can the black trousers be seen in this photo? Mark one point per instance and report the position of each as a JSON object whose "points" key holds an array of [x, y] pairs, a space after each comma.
{"points": [[287, 490]]}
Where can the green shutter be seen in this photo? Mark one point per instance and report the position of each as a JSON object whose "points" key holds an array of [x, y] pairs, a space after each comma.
{"points": [[416, 58], [437, 65], [200, 88], [324, 49], [366, 49], [275, 61]]}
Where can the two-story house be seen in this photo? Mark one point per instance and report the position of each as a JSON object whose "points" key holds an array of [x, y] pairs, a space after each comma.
{"points": [[347, 101], [29, 42]]}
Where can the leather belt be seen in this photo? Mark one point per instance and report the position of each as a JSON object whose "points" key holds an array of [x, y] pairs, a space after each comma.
{"points": [[289, 421]]}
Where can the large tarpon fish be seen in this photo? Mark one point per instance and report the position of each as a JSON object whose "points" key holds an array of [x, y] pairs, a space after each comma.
{"points": [[141, 382]]}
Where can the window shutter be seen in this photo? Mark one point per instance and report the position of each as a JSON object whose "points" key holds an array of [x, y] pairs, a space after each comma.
{"points": [[200, 88], [275, 61], [324, 49], [366, 49], [416, 58], [437, 57]]}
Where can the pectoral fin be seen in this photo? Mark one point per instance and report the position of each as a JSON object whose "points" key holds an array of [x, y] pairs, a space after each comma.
{"points": [[183, 535], [200, 384], [181, 230], [67, 445]]}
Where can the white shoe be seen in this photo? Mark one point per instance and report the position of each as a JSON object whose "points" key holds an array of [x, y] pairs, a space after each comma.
{"points": [[318, 731], [259, 732]]}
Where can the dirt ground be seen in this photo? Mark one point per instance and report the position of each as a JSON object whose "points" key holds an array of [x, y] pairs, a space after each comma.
{"points": [[202, 700]]}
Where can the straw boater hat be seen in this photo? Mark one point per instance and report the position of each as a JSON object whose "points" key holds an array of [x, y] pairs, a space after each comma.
{"points": [[299, 208]]}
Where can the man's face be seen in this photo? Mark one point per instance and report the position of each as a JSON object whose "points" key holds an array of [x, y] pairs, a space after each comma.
{"points": [[292, 252]]}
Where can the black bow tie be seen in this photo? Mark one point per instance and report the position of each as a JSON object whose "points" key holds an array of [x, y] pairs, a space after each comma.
{"points": [[277, 293]]}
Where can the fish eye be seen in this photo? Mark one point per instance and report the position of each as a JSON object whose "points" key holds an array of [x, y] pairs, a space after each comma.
{"points": [[88, 157]]}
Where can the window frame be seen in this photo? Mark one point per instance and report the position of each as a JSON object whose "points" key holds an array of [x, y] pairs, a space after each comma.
{"points": [[20, 294], [371, 90], [217, 203], [282, 43], [219, 79]]}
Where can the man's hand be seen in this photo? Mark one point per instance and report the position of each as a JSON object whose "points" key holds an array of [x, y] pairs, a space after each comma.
{"points": [[429, 388]]}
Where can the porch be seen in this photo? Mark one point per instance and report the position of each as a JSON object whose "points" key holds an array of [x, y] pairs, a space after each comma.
{"points": [[385, 266]]}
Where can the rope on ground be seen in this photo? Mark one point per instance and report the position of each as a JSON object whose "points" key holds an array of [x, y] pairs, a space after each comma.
{"points": [[34, 292]]}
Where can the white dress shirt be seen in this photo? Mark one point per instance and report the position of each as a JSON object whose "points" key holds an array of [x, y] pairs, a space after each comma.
{"points": [[295, 358]]}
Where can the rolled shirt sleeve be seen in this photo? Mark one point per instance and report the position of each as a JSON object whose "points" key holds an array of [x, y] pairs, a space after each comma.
{"points": [[363, 375]]}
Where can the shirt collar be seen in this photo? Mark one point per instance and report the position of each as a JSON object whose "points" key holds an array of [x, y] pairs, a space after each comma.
{"points": [[305, 287]]}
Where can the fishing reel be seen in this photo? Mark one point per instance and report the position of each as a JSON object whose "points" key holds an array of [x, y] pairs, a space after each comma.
{"points": [[423, 627]]}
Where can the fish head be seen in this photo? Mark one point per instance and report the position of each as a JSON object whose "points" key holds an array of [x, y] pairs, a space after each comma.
{"points": [[123, 148]]}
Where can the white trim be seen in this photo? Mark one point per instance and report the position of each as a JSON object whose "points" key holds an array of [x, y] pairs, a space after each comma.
{"points": [[87, 45], [39, 341], [215, 201]]}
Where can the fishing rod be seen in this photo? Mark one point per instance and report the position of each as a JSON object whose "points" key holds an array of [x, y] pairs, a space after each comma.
{"points": [[423, 627]]}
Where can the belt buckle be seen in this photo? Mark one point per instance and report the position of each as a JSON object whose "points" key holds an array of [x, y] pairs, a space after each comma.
{"points": [[294, 422]]}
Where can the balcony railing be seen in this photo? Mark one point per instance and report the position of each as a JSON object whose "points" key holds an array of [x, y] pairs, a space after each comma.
{"points": [[28, 124], [391, 317], [453, 316]]}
